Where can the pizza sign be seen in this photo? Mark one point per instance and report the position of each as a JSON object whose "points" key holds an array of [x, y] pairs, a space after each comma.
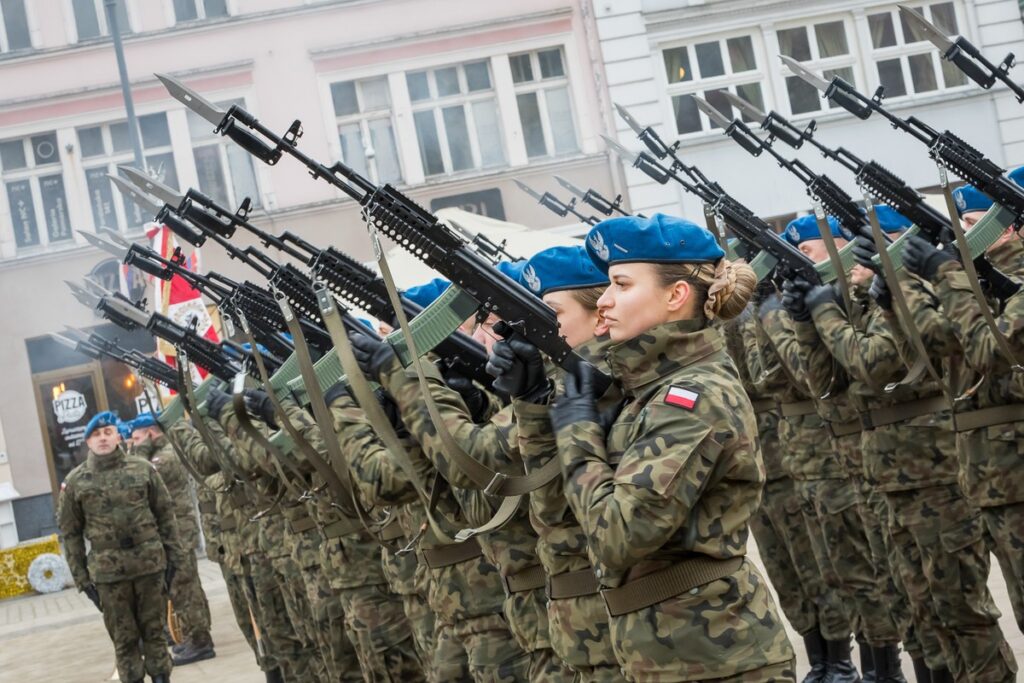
{"points": [[69, 406]]}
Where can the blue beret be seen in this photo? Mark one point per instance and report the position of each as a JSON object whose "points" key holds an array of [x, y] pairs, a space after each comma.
{"points": [[805, 228], [968, 198], [144, 420], [367, 324], [104, 419], [561, 268], [658, 239], [510, 269], [426, 294], [125, 429], [891, 220]]}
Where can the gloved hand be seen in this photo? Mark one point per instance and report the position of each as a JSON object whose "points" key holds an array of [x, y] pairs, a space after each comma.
{"points": [[577, 402], [169, 572], [259, 405], [764, 290], [769, 304], [471, 394], [923, 260], [519, 369], [863, 251], [879, 291], [215, 402], [821, 295], [93, 595], [372, 355], [793, 293]]}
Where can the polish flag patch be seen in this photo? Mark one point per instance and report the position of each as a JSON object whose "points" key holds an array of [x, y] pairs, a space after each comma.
{"points": [[681, 398]]}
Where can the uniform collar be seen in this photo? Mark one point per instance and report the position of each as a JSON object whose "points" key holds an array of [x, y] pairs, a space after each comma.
{"points": [[106, 462], [1008, 255], [662, 351], [595, 351]]}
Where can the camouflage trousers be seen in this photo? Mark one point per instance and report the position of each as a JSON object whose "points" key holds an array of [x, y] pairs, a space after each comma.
{"points": [[581, 637], [306, 659], [527, 615], [722, 629], [235, 584], [423, 623], [491, 651], [339, 659], [189, 600], [134, 612], [937, 529], [375, 621], [281, 644], [785, 549], [1005, 526], [773, 673]]}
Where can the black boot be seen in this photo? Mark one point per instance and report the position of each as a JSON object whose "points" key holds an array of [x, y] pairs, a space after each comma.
{"points": [[162, 678], [922, 674], [887, 664], [194, 651], [274, 676], [814, 643], [840, 668], [867, 661], [942, 676]]}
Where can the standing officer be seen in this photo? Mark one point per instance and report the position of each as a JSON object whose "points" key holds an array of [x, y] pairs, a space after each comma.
{"points": [[121, 505], [187, 594]]}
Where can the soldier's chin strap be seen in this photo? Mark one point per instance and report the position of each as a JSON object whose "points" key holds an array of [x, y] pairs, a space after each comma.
{"points": [[972, 274]]}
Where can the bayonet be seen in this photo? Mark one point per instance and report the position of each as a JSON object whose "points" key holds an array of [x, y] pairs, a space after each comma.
{"points": [[104, 243], [144, 201], [745, 107], [926, 28], [193, 100], [807, 76], [151, 185]]}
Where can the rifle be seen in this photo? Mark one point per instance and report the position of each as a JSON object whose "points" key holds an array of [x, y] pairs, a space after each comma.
{"points": [[965, 56], [947, 149], [556, 205], [97, 348], [884, 185], [396, 216], [596, 199], [748, 227]]}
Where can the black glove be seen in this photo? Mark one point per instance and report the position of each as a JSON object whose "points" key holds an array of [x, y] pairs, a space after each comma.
{"points": [[169, 572], [879, 291], [372, 355], [863, 251], [93, 595], [769, 304], [215, 402], [923, 259], [821, 295], [519, 369], [259, 405], [336, 391], [472, 395], [793, 293], [577, 403], [764, 290]]}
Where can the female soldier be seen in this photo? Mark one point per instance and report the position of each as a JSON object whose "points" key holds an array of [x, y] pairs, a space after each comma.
{"points": [[667, 527]]}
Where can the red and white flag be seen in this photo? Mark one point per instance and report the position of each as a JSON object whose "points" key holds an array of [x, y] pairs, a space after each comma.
{"points": [[681, 398]]}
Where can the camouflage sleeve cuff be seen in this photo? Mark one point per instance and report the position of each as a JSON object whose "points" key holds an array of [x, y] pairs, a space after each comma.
{"points": [[579, 444], [951, 278], [825, 313], [807, 332]]}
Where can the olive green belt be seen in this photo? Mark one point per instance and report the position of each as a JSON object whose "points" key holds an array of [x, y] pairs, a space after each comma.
{"points": [[454, 553], [228, 523], [528, 579], [301, 524], [667, 583], [239, 497], [207, 507], [882, 417], [987, 417], [125, 542], [797, 409], [342, 527], [392, 531], [763, 405], [841, 429], [574, 584]]}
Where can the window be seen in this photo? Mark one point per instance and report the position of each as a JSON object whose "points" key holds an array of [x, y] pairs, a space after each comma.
{"points": [[363, 113], [14, 33], [196, 10], [455, 113], [103, 147], [34, 183], [905, 62], [225, 170], [91, 18], [825, 49], [707, 70], [542, 95]]}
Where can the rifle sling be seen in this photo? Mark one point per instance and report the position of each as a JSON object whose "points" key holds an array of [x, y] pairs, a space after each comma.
{"points": [[972, 274], [712, 221], [844, 284]]}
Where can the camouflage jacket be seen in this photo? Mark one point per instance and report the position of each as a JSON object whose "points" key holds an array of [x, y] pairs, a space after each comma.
{"points": [[120, 504], [179, 485], [805, 455]]}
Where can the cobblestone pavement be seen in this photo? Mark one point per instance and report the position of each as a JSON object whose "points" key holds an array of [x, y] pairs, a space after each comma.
{"points": [[60, 638]]}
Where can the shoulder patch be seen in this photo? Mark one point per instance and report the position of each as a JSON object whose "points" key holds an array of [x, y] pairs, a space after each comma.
{"points": [[681, 398], [63, 486]]}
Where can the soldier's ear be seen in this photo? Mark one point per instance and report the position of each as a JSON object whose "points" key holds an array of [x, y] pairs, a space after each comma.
{"points": [[679, 295]]}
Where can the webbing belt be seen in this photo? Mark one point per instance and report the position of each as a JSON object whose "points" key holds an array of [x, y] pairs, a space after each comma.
{"points": [[667, 583], [574, 584], [764, 405], [453, 553], [883, 417], [528, 579], [988, 417], [797, 409], [840, 429], [301, 525], [342, 527], [125, 542]]}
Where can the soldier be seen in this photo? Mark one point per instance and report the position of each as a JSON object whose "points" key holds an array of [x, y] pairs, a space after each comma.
{"points": [[667, 528], [187, 594], [121, 506]]}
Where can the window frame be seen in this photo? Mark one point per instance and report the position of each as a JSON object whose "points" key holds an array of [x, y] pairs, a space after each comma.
{"points": [[222, 143], [540, 86], [200, 6], [5, 48], [33, 173], [817, 63], [101, 18], [363, 120]]}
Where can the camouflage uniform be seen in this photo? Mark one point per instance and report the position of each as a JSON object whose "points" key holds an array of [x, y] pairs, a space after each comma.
{"points": [[913, 463], [688, 481], [187, 596], [120, 504], [513, 547], [992, 456], [578, 622]]}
